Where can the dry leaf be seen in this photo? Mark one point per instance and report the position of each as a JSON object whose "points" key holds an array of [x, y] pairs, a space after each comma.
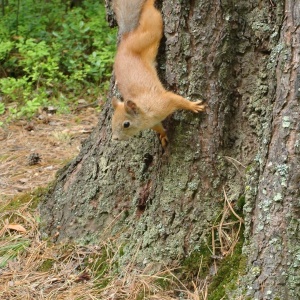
{"points": [[16, 227]]}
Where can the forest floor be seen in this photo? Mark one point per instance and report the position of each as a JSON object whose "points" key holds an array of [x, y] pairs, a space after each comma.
{"points": [[31, 152]]}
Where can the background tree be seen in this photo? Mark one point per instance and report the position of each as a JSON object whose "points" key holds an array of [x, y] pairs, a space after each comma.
{"points": [[242, 57]]}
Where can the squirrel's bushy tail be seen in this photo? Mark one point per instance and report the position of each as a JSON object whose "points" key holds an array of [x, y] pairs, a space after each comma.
{"points": [[127, 14]]}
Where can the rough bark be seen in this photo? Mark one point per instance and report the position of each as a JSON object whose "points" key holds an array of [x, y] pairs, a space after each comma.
{"points": [[242, 57], [274, 188]]}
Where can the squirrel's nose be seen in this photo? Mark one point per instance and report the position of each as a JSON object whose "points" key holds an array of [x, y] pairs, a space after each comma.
{"points": [[115, 138]]}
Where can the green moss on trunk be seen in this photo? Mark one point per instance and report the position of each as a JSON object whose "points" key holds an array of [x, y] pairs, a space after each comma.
{"points": [[228, 272]]}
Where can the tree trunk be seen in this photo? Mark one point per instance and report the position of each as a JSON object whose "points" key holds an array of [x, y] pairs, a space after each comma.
{"points": [[273, 196], [242, 57]]}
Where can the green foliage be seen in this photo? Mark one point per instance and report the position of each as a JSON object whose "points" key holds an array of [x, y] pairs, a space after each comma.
{"points": [[52, 54], [5, 48], [2, 108]]}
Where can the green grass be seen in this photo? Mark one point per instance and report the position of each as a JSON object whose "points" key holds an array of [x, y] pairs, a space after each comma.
{"points": [[11, 248]]}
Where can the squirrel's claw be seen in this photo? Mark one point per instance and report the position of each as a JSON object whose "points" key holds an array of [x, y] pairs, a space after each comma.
{"points": [[198, 106], [164, 140]]}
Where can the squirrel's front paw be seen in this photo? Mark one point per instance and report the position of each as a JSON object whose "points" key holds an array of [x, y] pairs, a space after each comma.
{"points": [[198, 106]]}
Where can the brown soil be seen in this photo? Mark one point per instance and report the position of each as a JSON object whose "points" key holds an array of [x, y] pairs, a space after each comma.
{"points": [[32, 152]]}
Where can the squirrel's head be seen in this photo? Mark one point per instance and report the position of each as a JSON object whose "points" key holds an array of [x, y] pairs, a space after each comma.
{"points": [[126, 120]]}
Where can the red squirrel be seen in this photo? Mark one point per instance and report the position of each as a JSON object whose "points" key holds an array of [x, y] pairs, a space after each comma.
{"points": [[146, 102]]}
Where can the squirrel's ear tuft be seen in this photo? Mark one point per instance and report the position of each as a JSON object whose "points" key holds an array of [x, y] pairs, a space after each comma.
{"points": [[131, 107], [115, 102]]}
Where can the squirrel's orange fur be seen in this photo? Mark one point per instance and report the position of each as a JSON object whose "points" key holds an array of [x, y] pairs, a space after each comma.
{"points": [[146, 102]]}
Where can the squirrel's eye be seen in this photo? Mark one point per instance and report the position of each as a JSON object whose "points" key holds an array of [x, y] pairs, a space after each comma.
{"points": [[126, 124]]}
